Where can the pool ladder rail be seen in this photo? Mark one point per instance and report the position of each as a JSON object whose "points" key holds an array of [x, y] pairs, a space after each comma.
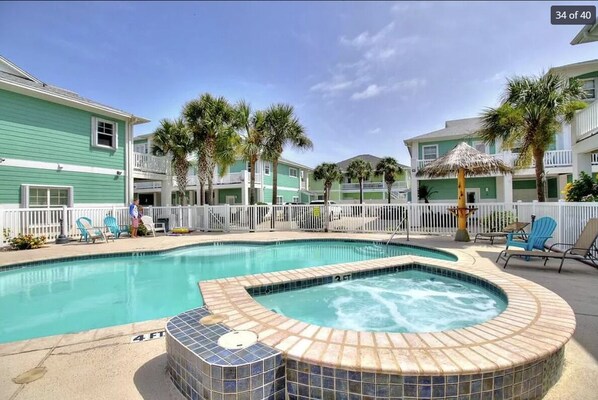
{"points": [[405, 219]]}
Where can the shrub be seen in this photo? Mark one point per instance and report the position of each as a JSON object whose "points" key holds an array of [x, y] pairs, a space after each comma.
{"points": [[496, 221], [26, 242], [583, 189], [141, 230]]}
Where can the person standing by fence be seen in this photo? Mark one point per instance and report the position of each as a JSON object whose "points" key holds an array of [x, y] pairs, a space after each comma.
{"points": [[134, 214]]}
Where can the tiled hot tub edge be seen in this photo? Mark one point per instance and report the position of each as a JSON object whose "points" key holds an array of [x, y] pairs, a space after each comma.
{"points": [[517, 355]]}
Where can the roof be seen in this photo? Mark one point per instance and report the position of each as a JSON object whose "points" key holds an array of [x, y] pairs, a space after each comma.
{"points": [[15, 79], [453, 128], [587, 34], [373, 160], [294, 164], [578, 68]]}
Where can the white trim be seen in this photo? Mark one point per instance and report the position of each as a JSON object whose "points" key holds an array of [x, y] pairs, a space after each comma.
{"points": [[429, 145], [294, 189], [13, 162], [59, 99]]}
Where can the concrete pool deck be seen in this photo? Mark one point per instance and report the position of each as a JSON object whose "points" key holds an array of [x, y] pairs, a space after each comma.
{"points": [[103, 363]]}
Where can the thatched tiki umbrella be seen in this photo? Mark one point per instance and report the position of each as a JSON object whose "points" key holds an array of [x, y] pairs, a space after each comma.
{"points": [[463, 161]]}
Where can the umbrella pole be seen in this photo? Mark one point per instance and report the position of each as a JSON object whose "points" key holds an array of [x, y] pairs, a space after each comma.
{"points": [[462, 235]]}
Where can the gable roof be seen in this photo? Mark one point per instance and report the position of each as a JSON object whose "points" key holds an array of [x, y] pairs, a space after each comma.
{"points": [[373, 160], [15, 79], [452, 129]]}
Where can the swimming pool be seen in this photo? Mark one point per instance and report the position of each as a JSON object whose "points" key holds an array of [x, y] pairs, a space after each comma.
{"points": [[405, 301], [82, 294]]}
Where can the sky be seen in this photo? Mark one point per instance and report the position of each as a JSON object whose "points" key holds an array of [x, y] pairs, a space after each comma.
{"points": [[362, 76]]}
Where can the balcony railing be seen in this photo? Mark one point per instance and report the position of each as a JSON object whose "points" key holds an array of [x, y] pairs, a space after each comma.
{"points": [[552, 159], [373, 186], [585, 122], [148, 185], [149, 163]]}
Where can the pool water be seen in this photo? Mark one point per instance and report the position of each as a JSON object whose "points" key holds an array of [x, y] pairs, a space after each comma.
{"points": [[73, 296], [406, 301]]}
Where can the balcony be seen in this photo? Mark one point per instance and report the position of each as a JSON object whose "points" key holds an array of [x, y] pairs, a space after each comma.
{"points": [[585, 122], [552, 159], [373, 186], [150, 164]]}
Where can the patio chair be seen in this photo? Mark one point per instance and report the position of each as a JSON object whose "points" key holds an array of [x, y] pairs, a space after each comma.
{"points": [[583, 249], [94, 233], [517, 227], [151, 225], [536, 239], [113, 226], [82, 228]]}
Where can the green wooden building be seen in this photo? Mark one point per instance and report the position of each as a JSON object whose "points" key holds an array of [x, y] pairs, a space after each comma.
{"points": [[58, 148]]}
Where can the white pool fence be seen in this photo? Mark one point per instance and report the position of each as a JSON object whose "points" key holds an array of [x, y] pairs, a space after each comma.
{"points": [[412, 218]]}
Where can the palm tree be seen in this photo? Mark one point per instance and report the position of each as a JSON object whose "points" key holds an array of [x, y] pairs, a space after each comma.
{"points": [[283, 128], [252, 144], [329, 173], [172, 138], [424, 192], [361, 170], [389, 169], [213, 123], [531, 113]]}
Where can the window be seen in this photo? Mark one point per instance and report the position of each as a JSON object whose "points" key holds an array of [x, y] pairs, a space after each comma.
{"points": [[104, 133], [480, 146], [141, 148], [295, 199], [589, 87], [46, 197], [279, 200], [293, 172], [248, 167], [266, 168], [430, 152]]}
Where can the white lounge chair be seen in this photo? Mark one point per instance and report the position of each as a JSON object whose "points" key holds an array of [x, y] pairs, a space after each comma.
{"points": [[94, 233], [151, 225]]}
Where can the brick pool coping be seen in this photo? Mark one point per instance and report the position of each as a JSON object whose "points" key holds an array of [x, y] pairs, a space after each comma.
{"points": [[535, 325]]}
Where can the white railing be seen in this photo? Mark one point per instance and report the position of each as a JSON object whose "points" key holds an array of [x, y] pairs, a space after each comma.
{"points": [[585, 122], [148, 185], [428, 219], [149, 163], [369, 186], [552, 158]]}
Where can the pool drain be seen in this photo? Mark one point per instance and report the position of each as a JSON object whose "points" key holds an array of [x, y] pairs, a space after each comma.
{"points": [[213, 319], [237, 340], [30, 376]]}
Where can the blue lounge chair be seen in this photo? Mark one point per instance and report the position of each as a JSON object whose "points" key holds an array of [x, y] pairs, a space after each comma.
{"points": [[82, 228], [112, 225], [536, 239]]}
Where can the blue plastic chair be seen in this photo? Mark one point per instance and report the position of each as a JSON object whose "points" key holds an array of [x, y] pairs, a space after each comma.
{"points": [[536, 239], [112, 225], [82, 229]]}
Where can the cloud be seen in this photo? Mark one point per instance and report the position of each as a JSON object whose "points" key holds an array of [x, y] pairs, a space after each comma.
{"points": [[369, 92], [374, 90], [374, 131], [412, 84], [366, 39]]}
